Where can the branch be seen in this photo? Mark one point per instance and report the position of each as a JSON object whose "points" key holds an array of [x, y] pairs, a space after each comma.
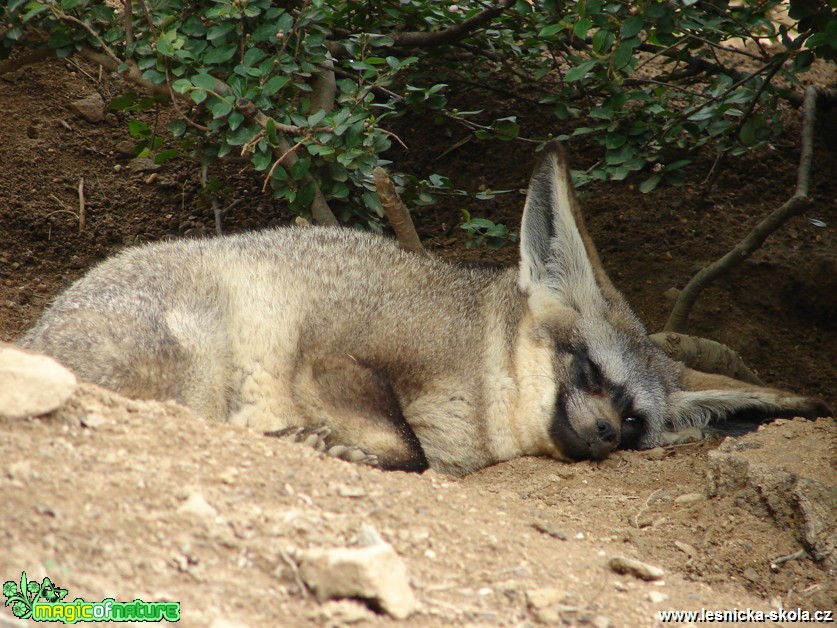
{"points": [[705, 355], [423, 39], [397, 213], [702, 65], [795, 205]]}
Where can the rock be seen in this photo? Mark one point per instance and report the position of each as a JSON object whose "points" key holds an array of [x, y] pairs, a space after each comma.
{"points": [[93, 420], [689, 498], [600, 621], [374, 573], [636, 568], [768, 478], [685, 548], [657, 453], [31, 384], [656, 597], [197, 505], [140, 165], [91, 108], [546, 596], [339, 612]]}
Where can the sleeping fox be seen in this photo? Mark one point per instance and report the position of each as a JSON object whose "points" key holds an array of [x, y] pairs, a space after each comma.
{"points": [[372, 353]]}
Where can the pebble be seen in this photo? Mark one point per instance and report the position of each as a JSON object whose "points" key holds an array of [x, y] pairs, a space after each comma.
{"points": [[543, 597], [375, 573], [636, 568], [31, 384], [657, 597], [197, 505], [689, 498]]}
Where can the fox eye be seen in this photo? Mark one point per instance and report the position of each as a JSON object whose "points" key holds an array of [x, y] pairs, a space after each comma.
{"points": [[634, 419]]}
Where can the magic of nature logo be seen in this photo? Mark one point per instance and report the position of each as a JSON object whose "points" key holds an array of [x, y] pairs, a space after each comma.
{"points": [[44, 601]]}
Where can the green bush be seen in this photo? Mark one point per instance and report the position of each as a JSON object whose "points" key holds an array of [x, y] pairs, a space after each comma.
{"points": [[311, 83]]}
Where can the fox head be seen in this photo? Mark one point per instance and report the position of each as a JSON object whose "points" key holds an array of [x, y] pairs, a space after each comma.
{"points": [[604, 385]]}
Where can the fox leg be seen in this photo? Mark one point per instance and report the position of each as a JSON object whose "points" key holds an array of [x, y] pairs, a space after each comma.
{"points": [[317, 437], [358, 407]]}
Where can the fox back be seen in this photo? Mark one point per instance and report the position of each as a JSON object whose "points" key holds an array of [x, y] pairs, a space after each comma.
{"points": [[393, 358]]}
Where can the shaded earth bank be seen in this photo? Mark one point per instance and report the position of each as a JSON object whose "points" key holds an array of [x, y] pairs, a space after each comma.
{"points": [[116, 498]]}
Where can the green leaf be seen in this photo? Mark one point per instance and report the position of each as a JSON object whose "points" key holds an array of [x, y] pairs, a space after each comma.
{"points": [[649, 184], [631, 27], [166, 155], [204, 81], [219, 30], [603, 40], [580, 71], [220, 107], [581, 27], [221, 54], [300, 168], [235, 119], [181, 86], [550, 31], [262, 160], [274, 84], [622, 56]]}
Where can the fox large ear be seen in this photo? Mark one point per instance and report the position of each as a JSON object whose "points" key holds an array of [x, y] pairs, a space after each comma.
{"points": [[556, 250], [708, 397]]}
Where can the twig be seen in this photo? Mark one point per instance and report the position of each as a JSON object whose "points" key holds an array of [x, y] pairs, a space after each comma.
{"points": [[795, 205], [81, 205], [397, 213], [449, 35], [644, 507], [278, 162], [705, 355], [290, 562], [774, 564]]}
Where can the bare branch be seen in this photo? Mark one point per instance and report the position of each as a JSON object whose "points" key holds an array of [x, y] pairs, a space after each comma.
{"points": [[425, 39], [795, 205], [397, 213], [705, 355]]}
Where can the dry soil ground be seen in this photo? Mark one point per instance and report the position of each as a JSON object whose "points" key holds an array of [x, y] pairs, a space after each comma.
{"points": [[99, 509]]}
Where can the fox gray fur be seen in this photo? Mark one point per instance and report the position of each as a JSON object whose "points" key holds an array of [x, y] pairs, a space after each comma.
{"points": [[412, 361]]}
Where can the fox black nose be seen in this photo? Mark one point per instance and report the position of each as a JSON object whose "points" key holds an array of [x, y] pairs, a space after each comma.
{"points": [[605, 431]]}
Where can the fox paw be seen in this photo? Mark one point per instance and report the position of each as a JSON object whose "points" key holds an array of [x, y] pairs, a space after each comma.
{"points": [[316, 438], [353, 454]]}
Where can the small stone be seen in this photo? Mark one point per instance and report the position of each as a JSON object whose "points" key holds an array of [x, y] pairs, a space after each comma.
{"points": [[142, 164], [546, 596], [657, 597], [197, 505], [548, 616], [636, 568], [657, 453], [91, 108], [338, 612], [351, 491], [21, 470], [93, 420], [689, 498], [31, 384], [373, 573], [126, 148], [752, 575], [600, 621], [685, 548]]}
